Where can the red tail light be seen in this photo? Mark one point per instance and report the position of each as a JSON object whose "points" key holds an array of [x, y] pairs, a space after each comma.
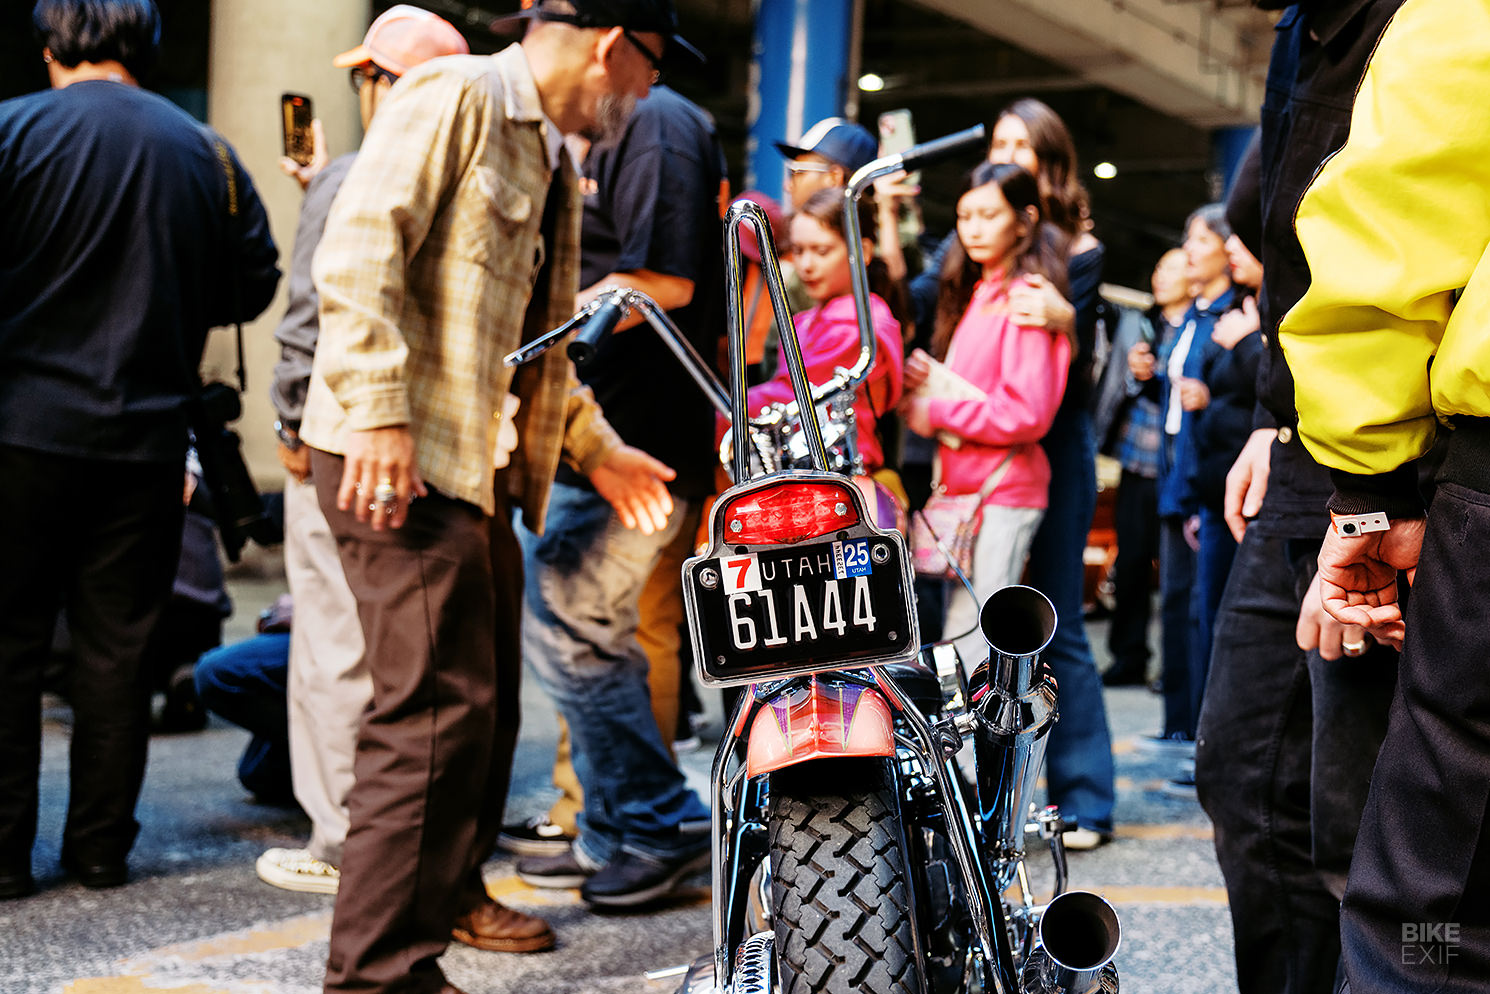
{"points": [[788, 513]]}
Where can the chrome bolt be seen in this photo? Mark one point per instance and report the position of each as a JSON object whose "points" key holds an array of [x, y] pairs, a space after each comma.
{"points": [[879, 552], [735, 526], [708, 579], [840, 509]]}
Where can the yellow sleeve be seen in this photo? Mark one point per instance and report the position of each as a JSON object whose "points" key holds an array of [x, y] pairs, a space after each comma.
{"points": [[1392, 227]]}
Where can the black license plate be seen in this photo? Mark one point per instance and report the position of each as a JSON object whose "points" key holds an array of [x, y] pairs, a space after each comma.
{"points": [[829, 605]]}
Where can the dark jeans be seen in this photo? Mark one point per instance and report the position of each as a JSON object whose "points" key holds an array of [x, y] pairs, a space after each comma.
{"points": [[1212, 566], [1177, 627], [440, 601], [246, 683], [1078, 759], [103, 536], [1287, 741], [1137, 521], [1416, 916]]}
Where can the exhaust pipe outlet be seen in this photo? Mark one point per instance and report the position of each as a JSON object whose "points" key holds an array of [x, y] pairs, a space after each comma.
{"points": [[1015, 703], [1079, 935]]}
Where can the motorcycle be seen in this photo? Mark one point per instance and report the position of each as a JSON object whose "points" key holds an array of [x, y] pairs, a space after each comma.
{"points": [[850, 851]]}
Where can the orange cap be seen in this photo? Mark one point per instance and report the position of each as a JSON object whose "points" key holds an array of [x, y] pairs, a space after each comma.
{"points": [[401, 38]]}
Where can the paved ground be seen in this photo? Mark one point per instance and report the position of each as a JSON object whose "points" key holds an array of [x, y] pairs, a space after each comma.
{"points": [[194, 919]]}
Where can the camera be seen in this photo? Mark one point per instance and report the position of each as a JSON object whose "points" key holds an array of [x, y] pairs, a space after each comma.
{"points": [[236, 505]]}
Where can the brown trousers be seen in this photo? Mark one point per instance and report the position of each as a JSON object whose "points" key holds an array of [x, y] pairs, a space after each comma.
{"points": [[440, 602]]}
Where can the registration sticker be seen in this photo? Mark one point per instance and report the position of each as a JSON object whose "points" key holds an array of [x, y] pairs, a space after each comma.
{"points": [[741, 573], [851, 559]]}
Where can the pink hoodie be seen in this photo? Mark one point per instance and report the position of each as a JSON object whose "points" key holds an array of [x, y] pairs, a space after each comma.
{"points": [[830, 338], [1023, 372]]}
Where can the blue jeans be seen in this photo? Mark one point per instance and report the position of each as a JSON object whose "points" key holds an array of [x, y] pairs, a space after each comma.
{"points": [[246, 683], [1212, 566], [584, 578], [1177, 628], [1079, 757]]}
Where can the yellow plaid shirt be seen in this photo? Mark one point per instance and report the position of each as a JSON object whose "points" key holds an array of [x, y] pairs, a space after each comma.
{"points": [[425, 272]]}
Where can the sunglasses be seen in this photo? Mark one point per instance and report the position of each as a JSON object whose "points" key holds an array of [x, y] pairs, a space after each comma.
{"points": [[362, 75], [655, 61]]}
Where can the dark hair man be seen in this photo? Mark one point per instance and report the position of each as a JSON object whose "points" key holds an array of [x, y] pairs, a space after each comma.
{"points": [[130, 231], [453, 240]]}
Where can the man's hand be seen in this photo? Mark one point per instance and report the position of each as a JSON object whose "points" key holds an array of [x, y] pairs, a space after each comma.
{"points": [[1247, 483], [319, 158], [1233, 326], [380, 458], [1040, 305], [295, 461], [1141, 362], [1194, 394], [1317, 630], [1358, 576], [635, 484]]}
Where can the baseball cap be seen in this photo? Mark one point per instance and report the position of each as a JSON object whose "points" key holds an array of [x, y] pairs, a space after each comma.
{"points": [[401, 38], [838, 140], [653, 16]]}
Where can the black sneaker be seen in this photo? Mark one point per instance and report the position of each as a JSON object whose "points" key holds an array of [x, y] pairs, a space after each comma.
{"points": [[567, 870], [1182, 787], [630, 880], [1174, 745], [535, 837]]}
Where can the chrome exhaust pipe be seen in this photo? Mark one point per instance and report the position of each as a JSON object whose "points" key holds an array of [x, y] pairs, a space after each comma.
{"points": [[1079, 935], [1014, 700]]}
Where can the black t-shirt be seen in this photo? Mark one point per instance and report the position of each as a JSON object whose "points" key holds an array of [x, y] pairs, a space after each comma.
{"points": [[118, 255], [654, 204]]}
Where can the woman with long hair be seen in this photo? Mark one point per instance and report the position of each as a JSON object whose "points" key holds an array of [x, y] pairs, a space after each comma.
{"points": [[1079, 756], [1012, 377]]}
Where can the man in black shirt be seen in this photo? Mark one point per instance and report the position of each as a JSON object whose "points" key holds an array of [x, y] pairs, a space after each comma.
{"points": [[130, 231], [651, 221], [1288, 735]]}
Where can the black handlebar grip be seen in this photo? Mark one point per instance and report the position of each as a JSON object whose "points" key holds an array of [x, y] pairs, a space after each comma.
{"points": [[917, 156], [601, 323]]}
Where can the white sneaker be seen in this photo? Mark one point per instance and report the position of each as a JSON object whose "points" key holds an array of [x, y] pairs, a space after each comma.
{"points": [[1085, 839], [297, 869]]}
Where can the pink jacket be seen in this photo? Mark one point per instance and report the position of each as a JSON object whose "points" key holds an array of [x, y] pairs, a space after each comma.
{"points": [[830, 338], [1023, 372]]}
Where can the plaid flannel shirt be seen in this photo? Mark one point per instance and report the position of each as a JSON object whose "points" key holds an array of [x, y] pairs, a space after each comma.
{"points": [[425, 273]]}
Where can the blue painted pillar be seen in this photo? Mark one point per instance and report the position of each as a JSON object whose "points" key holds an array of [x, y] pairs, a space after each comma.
{"points": [[799, 75], [1228, 146]]}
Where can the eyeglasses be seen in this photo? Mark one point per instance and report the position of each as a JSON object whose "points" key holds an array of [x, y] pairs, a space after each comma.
{"points": [[369, 73], [655, 61], [807, 167]]}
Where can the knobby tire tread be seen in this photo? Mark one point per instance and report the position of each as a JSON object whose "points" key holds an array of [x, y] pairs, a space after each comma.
{"points": [[839, 882]]}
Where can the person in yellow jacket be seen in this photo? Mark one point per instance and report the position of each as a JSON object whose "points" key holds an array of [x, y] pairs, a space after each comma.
{"points": [[1390, 348]]}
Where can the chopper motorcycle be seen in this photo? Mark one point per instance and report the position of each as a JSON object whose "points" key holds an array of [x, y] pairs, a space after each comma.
{"points": [[870, 799]]}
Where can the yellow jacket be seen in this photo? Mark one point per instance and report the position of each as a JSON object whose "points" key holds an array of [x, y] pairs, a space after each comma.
{"points": [[1395, 226]]}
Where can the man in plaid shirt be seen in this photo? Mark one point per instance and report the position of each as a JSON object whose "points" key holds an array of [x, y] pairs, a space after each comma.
{"points": [[454, 240]]}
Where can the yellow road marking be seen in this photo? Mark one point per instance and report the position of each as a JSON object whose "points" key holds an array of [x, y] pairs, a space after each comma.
{"points": [[1162, 895], [1165, 833]]}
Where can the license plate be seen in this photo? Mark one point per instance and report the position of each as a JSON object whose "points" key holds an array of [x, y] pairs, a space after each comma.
{"points": [[828, 605]]}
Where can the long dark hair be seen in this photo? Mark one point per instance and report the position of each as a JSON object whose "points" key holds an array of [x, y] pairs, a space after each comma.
{"points": [[1065, 202], [826, 208], [77, 31], [1040, 250]]}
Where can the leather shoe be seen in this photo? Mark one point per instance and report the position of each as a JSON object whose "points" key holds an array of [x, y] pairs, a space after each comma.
{"points": [[500, 929], [14, 885], [99, 876]]}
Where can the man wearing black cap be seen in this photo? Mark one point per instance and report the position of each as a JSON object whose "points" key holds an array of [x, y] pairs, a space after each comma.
{"points": [[829, 153], [453, 240]]}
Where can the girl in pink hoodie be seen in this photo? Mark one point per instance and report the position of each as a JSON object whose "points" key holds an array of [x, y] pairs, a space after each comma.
{"points": [[829, 332], [992, 386]]}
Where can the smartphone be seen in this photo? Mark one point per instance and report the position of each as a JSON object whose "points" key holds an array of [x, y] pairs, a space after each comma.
{"points": [[296, 113], [897, 134]]}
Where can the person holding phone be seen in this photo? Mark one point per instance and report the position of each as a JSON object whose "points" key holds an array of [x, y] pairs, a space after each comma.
{"points": [[325, 676]]}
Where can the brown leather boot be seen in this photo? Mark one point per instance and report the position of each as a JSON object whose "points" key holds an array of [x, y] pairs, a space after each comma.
{"points": [[500, 929]]}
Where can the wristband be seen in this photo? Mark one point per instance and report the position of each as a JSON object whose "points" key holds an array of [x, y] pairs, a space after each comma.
{"points": [[1354, 525]]}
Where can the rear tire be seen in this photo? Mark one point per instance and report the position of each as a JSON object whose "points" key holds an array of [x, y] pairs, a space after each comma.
{"points": [[839, 882]]}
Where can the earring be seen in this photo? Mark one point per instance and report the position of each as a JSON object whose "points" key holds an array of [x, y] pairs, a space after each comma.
{"points": [[47, 59]]}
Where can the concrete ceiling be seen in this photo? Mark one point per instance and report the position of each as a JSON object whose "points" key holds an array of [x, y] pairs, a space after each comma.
{"points": [[1202, 61]]}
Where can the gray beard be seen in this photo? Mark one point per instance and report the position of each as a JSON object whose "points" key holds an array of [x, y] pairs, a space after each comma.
{"points": [[611, 114]]}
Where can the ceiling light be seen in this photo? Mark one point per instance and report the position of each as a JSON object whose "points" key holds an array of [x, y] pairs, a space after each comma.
{"points": [[871, 82], [1104, 170]]}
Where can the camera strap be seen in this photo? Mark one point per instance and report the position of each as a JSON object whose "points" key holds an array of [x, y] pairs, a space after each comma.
{"points": [[231, 175]]}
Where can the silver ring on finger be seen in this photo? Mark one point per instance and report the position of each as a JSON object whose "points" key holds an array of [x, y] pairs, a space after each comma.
{"points": [[384, 493], [1354, 648]]}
